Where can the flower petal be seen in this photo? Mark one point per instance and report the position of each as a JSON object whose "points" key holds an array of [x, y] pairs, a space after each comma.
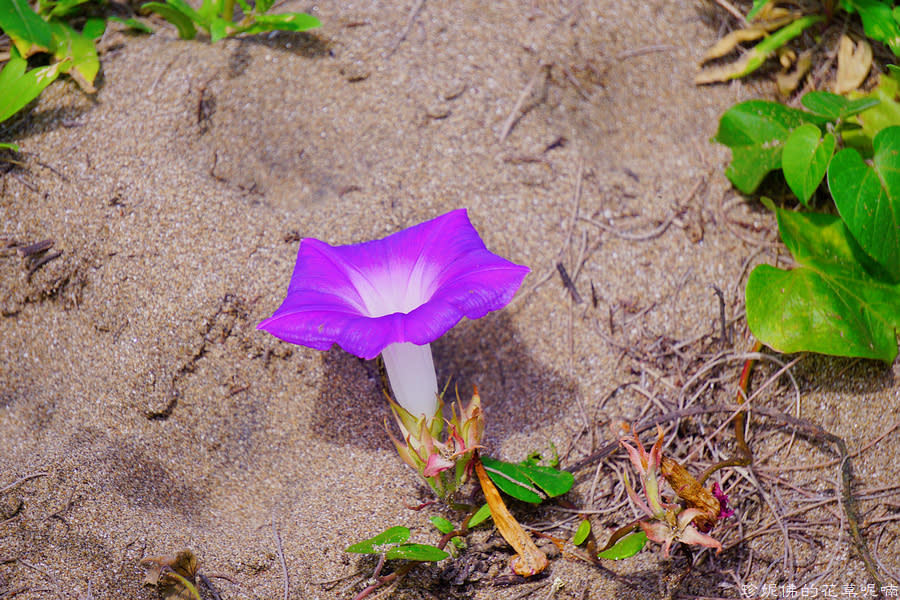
{"points": [[411, 286], [690, 535]]}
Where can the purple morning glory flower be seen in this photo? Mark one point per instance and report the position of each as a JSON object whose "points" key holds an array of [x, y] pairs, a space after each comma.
{"points": [[394, 296]]}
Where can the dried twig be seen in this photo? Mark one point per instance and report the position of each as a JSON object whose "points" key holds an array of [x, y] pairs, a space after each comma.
{"points": [[526, 91], [284, 571], [409, 23], [22, 480]]}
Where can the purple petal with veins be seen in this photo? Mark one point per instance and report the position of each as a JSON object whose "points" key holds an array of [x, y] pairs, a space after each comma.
{"points": [[411, 286]]}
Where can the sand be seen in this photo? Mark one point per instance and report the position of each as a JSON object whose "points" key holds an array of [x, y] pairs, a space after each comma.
{"points": [[134, 381]]}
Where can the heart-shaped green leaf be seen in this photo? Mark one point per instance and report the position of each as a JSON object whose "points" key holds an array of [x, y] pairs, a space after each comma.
{"points": [[627, 547], [419, 552], [756, 131], [805, 159], [834, 107], [381, 542], [838, 301], [868, 197]]}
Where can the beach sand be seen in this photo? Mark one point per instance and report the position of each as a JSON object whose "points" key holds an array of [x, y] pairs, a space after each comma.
{"points": [[134, 382]]}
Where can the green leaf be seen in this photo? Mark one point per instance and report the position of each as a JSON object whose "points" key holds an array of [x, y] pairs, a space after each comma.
{"points": [[481, 515], [553, 482], [756, 131], [581, 534], [283, 22], [186, 29], [873, 120], [512, 480], [69, 44], [9, 146], [211, 8], [188, 10], [245, 8], [526, 481], [868, 197], [263, 6], [834, 107], [419, 552], [627, 547], [133, 23], [18, 87], [805, 160], [64, 7], [218, 29], [28, 32], [93, 29], [442, 524], [757, 6], [836, 302], [879, 23], [380, 543]]}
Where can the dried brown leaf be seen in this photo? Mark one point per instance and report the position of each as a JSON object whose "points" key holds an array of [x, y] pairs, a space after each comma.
{"points": [[788, 82], [164, 572], [724, 72], [854, 62], [749, 34], [690, 490]]}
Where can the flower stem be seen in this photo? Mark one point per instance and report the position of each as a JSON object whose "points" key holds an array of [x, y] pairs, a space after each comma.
{"points": [[410, 370]]}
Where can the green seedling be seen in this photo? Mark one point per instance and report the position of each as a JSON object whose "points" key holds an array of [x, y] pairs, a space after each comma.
{"points": [[217, 18], [393, 545]]}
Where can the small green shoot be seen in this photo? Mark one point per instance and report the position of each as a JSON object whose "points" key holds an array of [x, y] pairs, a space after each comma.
{"points": [[481, 515], [441, 524], [132, 24], [216, 17], [20, 86], [392, 543], [445, 527], [582, 533], [627, 547]]}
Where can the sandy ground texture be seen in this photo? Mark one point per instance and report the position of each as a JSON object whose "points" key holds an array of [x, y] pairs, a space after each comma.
{"points": [[135, 386]]}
